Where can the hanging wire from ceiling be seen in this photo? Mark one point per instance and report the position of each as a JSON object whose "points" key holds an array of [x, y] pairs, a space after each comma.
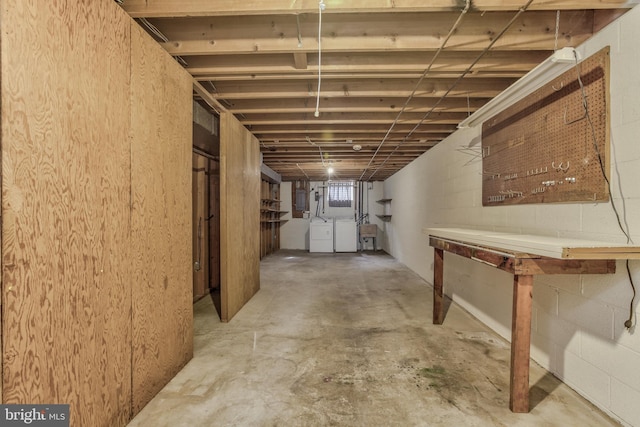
{"points": [[458, 80], [321, 7], [319, 149], [417, 85], [305, 174]]}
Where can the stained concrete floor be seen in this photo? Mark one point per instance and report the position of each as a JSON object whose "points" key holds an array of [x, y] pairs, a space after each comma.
{"points": [[347, 340]]}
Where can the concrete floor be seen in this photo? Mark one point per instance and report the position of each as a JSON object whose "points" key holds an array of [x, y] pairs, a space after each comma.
{"points": [[347, 340]]}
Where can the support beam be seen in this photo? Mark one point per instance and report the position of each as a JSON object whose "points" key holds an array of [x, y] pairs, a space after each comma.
{"points": [[300, 60], [184, 8], [207, 97], [370, 33], [520, 343]]}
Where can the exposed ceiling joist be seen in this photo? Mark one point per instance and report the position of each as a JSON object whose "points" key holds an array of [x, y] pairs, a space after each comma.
{"points": [[259, 60], [186, 8]]}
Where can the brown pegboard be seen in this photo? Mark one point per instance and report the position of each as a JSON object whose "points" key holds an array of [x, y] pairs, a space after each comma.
{"points": [[543, 148]]}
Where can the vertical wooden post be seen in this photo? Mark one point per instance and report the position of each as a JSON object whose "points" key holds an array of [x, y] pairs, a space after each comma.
{"points": [[438, 267], [520, 342]]}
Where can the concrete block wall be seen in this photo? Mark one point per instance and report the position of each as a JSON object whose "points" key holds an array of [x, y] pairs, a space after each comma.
{"points": [[578, 330]]}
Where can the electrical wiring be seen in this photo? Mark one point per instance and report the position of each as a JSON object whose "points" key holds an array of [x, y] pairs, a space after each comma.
{"points": [[320, 9], [585, 104], [458, 80], [305, 174], [454, 27], [319, 149]]}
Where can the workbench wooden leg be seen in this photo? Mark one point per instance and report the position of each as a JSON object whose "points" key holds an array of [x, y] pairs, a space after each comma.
{"points": [[520, 342], [438, 267]]}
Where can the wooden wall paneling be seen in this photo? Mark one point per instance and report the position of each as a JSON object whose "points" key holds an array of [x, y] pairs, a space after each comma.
{"points": [[65, 208], [239, 215], [161, 217]]}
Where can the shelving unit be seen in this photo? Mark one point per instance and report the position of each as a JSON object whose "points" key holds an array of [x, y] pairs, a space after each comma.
{"points": [[386, 216], [270, 218]]}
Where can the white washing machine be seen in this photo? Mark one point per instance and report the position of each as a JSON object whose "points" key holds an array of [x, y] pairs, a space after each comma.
{"points": [[321, 234], [346, 235]]}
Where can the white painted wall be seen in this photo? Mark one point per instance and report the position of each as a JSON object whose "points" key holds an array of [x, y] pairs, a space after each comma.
{"points": [[577, 331], [294, 234]]}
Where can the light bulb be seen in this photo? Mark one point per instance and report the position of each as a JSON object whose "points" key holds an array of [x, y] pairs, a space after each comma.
{"points": [[330, 170], [317, 113]]}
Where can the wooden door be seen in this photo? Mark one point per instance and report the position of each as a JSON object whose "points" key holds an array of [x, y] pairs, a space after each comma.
{"points": [[214, 225], [200, 226]]}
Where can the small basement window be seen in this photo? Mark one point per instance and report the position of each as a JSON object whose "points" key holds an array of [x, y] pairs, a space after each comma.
{"points": [[341, 194]]}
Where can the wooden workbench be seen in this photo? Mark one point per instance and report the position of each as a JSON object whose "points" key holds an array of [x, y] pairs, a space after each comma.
{"points": [[523, 256]]}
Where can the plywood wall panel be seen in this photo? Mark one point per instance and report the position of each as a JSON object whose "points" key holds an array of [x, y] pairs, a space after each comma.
{"points": [[161, 217], [239, 215], [65, 207]]}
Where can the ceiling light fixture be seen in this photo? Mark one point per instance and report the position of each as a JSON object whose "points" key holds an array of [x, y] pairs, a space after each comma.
{"points": [[329, 170], [357, 147], [321, 7], [561, 60]]}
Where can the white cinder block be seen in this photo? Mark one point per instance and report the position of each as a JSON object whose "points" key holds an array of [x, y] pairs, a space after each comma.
{"points": [[565, 334], [624, 337], [545, 297], [566, 282], [617, 361], [610, 289], [585, 378], [591, 315], [543, 351], [493, 216], [563, 217], [601, 218], [620, 136], [624, 403], [630, 106], [519, 216]]}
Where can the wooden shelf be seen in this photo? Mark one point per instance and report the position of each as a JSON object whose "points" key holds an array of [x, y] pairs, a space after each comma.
{"points": [[385, 217], [270, 217]]}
